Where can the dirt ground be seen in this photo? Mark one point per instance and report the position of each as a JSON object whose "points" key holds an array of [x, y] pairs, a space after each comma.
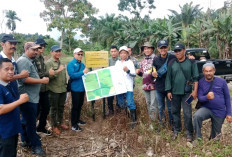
{"points": [[113, 137]]}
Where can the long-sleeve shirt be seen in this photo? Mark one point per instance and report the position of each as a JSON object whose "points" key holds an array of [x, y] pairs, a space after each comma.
{"points": [[175, 80], [75, 72], [57, 83], [146, 72], [127, 76], [220, 105]]}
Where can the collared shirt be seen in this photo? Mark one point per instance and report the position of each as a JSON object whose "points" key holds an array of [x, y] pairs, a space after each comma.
{"points": [[112, 61], [175, 79], [10, 124], [75, 71], [15, 82], [26, 63], [41, 67], [58, 82], [135, 61]]}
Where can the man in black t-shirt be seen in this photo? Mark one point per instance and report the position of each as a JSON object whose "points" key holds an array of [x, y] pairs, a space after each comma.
{"points": [[161, 94]]}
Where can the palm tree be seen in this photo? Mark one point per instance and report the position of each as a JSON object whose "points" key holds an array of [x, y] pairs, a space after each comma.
{"points": [[11, 20]]}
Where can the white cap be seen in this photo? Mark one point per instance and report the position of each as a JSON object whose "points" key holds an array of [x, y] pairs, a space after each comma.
{"points": [[123, 48], [77, 50]]}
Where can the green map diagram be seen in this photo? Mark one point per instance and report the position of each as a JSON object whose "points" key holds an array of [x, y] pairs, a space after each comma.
{"points": [[99, 84]]}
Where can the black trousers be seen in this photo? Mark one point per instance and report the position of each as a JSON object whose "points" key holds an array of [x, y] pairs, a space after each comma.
{"points": [[8, 147], [43, 110], [110, 101], [77, 102]]}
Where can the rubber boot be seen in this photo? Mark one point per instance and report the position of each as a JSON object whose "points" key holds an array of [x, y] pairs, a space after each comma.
{"points": [[133, 118]]}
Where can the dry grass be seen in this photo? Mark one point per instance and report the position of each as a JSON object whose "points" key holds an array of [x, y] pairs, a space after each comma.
{"points": [[114, 137]]}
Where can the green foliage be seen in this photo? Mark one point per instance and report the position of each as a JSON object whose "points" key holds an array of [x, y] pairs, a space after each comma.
{"points": [[11, 20]]}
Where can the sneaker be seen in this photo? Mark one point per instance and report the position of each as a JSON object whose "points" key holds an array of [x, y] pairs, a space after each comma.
{"points": [[174, 135], [38, 151], [81, 122], [76, 128], [45, 131]]}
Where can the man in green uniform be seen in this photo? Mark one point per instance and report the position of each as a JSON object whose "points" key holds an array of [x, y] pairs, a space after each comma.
{"points": [[57, 89], [180, 71], [43, 106]]}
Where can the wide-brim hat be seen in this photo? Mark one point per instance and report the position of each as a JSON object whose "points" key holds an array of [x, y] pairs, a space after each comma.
{"points": [[147, 44]]}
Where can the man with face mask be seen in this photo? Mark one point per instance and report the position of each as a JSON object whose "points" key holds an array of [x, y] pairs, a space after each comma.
{"points": [[31, 86]]}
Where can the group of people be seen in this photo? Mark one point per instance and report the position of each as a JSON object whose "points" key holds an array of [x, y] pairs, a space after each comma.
{"points": [[39, 88]]}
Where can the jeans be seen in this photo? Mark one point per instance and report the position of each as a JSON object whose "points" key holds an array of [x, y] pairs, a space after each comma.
{"points": [[152, 105], [29, 112], [160, 97], [8, 146], [177, 100], [43, 110], [203, 114], [129, 100], [77, 102]]}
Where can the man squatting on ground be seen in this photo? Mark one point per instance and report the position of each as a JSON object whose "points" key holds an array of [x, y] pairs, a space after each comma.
{"points": [[215, 104]]}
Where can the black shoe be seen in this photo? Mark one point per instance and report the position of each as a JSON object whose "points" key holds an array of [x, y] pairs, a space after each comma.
{"points": [[174, 135], [76, 128], [38, 151], [189, 138], [81, 122], [45, 131]]}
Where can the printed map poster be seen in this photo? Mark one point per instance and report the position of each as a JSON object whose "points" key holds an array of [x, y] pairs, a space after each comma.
{"points": [[104, 83], [96, 59]]}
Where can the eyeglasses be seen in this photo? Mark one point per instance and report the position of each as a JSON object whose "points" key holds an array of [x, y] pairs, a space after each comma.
{"points": [[80, 54]]}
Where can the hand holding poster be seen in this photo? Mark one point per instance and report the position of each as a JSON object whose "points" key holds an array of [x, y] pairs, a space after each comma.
{"points": [[104, 83]]}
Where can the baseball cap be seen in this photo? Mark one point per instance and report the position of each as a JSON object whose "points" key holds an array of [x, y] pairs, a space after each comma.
{"points": [[162, 43], [77, 50], [179, 46], [31, 44], [147, 44], [10, 38], [40, 41], [123, 48], [55, 48]]}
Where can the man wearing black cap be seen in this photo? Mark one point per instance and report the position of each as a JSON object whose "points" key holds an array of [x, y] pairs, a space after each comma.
{"points": [[57, 89], [182, 73], [43, 106], [9, 45], [160, 63]]}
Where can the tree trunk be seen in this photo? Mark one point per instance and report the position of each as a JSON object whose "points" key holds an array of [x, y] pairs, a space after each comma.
{"points": [[219, 48], [69, 44], [62, 38]]}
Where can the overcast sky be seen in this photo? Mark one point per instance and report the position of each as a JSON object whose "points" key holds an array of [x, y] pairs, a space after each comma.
{"points": [[28, 11]]}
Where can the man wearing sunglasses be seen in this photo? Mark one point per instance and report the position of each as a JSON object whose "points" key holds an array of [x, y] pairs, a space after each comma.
{"points": [[43, 106], [177, 84]]}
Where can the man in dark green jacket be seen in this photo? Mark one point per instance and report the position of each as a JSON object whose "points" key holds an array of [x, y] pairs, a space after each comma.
{"points": [[180, 71]]}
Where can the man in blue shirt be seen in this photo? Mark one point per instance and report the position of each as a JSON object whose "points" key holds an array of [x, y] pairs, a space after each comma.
{"points": [[215, 104], [76, 69], [10, 124]]}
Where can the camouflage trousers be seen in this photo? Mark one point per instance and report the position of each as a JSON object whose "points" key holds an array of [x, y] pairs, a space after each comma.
{"points": [[57, 101]]}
